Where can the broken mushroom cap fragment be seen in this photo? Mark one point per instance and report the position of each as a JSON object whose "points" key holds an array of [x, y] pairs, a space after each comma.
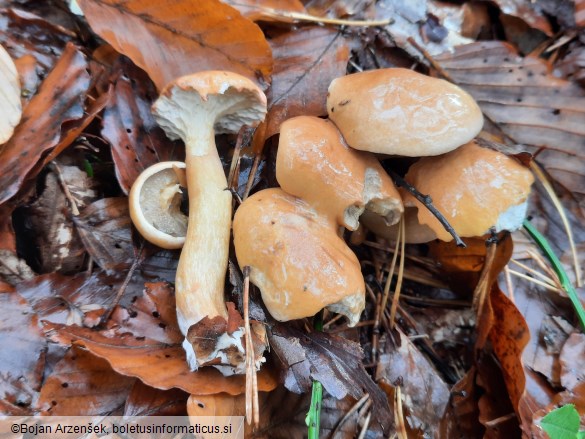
{"points": [[415, 233], [195, 108], [401, 112], [155, 201], [296, 258], [314, 163], [475, 189]]}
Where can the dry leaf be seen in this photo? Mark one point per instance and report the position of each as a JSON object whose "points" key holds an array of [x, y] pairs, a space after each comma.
{"points": [[11, 109], [105, 229], [306, 60], [148, 401], [580, 13], [136, 139], [22, 350], [169, 39], [59, 99], [543, 113], [256, 10], [83, 385]]}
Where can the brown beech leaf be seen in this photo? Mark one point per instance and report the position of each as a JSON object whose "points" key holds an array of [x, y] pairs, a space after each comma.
{"points": [[332, 360], [580, 13], [426, 393], [7, 237], [306, 60], [59, 99], [534, 108], [22, 350], [82, 384], [572, 360], [105, 229], [136, 139], [144, 341], [148, 401], [169, 39]]}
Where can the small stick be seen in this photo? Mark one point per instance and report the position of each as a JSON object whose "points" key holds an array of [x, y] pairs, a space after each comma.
{"points": [[251, 177], [252, 411], [65, 188], [350, 412], [235, 164], [402, 231], [398, 414], [428, 203], [544, 285]]}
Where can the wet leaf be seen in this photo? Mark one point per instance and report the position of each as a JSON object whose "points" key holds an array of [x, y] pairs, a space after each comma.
{"points": [[137, 141], [426, 394], [175, 38], [545, 114], [22, 349], [59, 99], [334, 361], [305, 62], [159, 361], [105, 229], [83, 385], [11, 109]]}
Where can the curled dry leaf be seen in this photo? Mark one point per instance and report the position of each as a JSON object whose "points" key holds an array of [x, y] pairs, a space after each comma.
{"points": [[169, 39], [22, 349], [59, 99], [155, 356], [545, 114], [82, 384], [105, 229], [136, 139], [305, 62], [11, 109]]}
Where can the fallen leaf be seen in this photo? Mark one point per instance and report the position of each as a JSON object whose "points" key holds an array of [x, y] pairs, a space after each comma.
{"points": [[334, 361], [7, 237], [175, 38], [305, 62], [528, 11], [542, 113], [22, 349], [83, 385], [11, 110], [148, 401], [580, 13], [158, 361], [572, 359], [59, 99], [105, 229], [13, 269], [426, 394], [136, 139], [257, 10]]}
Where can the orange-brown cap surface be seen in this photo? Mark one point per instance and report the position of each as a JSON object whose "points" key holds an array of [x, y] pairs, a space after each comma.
{"points": [[315, 164], [415, 233], [400, 112], [475, 189], [297, 260]]}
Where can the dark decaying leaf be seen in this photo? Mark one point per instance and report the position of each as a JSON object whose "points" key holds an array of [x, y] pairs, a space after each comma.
{"points": [[105, 229], [60, 248], [148, 401], [334, 361], [306, 60], [83, 385], [156, 356], [137, 141], [543, 113], [169, 39], [426, 394], [59, 99], [22, 350]]}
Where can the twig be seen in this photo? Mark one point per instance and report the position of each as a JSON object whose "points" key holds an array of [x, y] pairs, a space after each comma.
{"points": [[537, 273], [428, 203], [482, 287], [350, 412], [558, 267], [65, 188], [251, 177], [235, 164], [252, 409], [402, 231], [544, 285], [398, 415], [135, 264]]}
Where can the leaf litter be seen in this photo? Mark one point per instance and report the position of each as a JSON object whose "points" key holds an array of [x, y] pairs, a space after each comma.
{"points": [[527, 348]]}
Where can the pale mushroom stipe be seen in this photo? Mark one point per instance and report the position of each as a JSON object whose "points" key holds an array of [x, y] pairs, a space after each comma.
{"points": [[195, 108]]}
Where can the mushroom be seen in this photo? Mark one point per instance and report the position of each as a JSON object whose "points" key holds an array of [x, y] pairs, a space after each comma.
{"points": [[155, 201], [400, 112], [415, 233], [195, 108], [297, 259], [314, 163], [475, 188]]}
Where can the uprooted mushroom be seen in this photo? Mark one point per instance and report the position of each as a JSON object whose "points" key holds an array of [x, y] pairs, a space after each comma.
{"points": [[195, 108]]}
